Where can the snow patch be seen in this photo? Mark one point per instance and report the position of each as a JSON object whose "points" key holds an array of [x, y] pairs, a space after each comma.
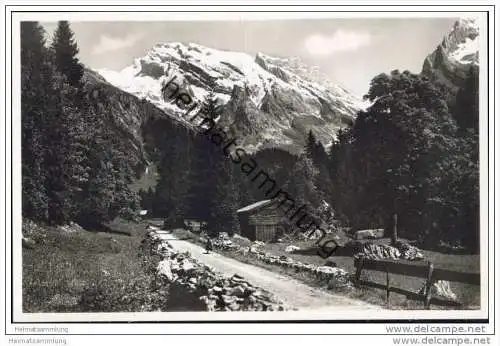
{"points": [[466, 52]]}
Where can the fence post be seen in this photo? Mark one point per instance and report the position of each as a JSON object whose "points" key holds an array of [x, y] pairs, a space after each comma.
{"points": [[359, 267], [388, 284], [394, 235], [428, 286]]}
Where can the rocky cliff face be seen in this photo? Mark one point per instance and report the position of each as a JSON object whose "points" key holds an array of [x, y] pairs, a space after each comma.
{"points": [[129, 117], [456, 54], [267, 101]]}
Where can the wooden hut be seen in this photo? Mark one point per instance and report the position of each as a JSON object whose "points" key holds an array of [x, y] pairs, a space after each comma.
{"points": [[260, 221]]}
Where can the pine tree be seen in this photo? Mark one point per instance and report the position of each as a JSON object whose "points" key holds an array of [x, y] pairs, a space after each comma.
{"points": [[212, 194], [224, 204], [53, 132], [66, 50], [343, 178], [311, 143], [35, 82], [302, 184], [71, 148], [65, 157], [66, 135], [316, 152], [202, 178], [174, 170]]}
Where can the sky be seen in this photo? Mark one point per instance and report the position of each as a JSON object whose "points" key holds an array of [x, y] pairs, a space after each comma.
{"points": [[350, 51]]}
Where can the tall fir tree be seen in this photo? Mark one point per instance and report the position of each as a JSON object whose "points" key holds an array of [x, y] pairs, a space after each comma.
{"points": [[302, 184], [201, 192], [316, 152], [174, 170], [66, 50], [213, 195], [35, 86], [66, 129], [202, 178], [311, 142], [340, 161], [222, 217], [65, 152]]}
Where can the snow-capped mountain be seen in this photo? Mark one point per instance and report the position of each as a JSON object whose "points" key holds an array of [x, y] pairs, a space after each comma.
{"points": [[267, 101], [457, 53]]}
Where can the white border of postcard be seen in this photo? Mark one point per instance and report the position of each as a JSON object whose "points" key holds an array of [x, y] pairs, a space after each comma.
{"points": [[487, 213]]}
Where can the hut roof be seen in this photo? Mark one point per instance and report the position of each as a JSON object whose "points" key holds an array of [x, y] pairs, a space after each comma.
{"points": [[255, 206]]}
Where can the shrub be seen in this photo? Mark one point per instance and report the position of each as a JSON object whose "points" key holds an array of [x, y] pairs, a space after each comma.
{"points": [[111, 295]]}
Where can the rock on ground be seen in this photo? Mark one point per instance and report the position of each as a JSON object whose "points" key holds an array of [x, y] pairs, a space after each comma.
{"points": [[441, 288], [292, 248]]}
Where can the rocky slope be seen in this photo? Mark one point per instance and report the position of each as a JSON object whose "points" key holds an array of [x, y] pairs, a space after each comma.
{"points": [[267, 101], [456, 54], [131, 118]]}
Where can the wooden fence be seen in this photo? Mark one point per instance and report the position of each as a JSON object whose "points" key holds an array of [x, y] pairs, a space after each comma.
{"points": [[428, 272]]}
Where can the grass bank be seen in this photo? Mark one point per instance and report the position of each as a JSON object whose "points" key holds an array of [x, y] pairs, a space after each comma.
{"points": [[105, 270]]}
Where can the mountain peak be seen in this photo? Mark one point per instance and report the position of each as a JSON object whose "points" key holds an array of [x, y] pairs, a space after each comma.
{"points": [[462, 43], [469, 23], [273, 100], [458, 51]]}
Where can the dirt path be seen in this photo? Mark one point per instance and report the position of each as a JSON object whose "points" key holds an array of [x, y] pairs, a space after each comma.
{"points": [[290, 291]]}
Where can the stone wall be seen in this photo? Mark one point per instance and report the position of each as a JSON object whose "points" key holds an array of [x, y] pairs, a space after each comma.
{"points": [[332, 277], [219, 292]]}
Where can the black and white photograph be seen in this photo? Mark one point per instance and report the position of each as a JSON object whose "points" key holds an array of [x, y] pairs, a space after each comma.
{"points": [[222, 167]]}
